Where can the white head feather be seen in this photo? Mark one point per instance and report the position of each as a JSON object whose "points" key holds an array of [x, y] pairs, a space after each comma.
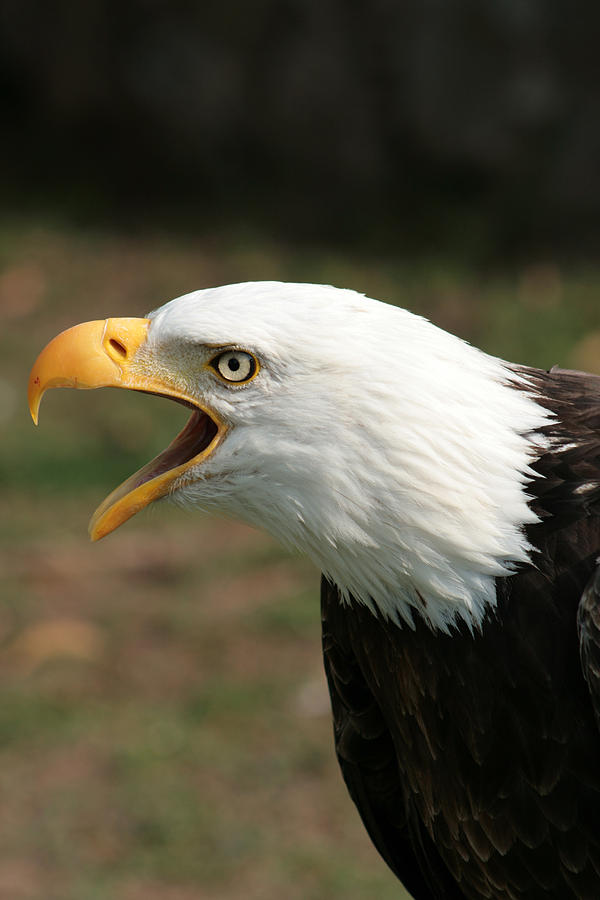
{"points": [[392, 453]]}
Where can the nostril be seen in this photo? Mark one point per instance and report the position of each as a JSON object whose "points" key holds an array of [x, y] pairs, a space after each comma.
{"points": [[119, 348]]}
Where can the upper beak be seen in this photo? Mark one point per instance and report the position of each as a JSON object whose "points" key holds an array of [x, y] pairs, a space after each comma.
{"points": [[104, 354], [92, 355]]}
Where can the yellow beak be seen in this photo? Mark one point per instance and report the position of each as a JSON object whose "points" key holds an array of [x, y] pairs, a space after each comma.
{"points": [[104, 354]]}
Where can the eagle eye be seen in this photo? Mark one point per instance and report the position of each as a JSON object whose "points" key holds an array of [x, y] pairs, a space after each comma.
{"points": [[235, 365]]}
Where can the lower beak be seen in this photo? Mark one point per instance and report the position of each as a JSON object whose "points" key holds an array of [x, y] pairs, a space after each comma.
{"points": [[106, 354]]}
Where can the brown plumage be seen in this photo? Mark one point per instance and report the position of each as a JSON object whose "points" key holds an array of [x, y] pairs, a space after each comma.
{"points": [[474, 758]]}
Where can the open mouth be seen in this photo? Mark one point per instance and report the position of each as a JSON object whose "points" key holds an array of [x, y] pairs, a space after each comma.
{"points": [[104, 353], [194, 443]]}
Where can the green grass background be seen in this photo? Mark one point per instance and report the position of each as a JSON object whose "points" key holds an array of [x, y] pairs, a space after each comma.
{"points": [[164, 722]]}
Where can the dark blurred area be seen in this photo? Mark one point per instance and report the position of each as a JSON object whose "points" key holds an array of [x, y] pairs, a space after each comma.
{"points": [[422, 122]]}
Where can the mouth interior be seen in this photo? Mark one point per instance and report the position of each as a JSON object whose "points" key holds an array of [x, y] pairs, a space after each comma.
{"points": [[198, 433], [158, 478]]}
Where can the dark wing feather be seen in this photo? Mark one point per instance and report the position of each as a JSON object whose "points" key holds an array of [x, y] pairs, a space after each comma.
{"points": [[568, 500], [588, 623], [368, 761]]}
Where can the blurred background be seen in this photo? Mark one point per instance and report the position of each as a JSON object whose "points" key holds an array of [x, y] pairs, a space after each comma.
{"points": [[164, 724]]}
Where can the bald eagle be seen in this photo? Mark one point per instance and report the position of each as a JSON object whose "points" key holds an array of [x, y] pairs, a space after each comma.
{"points": [[452, 502]]}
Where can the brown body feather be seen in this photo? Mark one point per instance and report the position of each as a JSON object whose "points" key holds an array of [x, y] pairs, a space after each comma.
{"points": [[474, 758]]}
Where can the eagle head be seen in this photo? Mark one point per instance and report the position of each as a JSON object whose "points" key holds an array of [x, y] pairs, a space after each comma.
{"points": [[394, 454]]}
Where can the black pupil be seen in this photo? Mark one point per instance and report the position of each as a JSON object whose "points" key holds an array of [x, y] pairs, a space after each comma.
{"points": [[234, 364]]}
